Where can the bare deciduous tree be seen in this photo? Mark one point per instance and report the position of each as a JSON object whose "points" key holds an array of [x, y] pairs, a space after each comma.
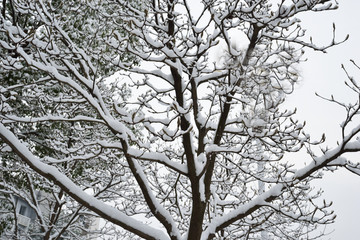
{"points": [[203, 150]]}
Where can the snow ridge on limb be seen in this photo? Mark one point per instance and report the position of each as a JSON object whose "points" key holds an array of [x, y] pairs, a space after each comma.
{"points": [[77, 193]]}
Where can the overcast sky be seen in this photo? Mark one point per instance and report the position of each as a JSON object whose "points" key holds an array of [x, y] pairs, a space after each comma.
{"points": [[322, 73]]}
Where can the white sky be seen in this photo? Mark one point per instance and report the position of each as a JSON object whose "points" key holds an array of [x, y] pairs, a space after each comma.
{"points": [[322, 74]]}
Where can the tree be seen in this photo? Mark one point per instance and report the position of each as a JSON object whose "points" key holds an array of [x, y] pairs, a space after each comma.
{"points": [[211, 157]]}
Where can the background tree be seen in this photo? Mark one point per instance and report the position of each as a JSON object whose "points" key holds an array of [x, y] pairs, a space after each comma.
{"points": [[56, 216], [210, 160]]}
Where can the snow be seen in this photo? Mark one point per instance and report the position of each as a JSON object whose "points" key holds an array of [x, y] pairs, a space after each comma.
{"points": [[244, 209], [202, 189], [153, 201], [200, 162], [14, 118], [158, 157]]}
